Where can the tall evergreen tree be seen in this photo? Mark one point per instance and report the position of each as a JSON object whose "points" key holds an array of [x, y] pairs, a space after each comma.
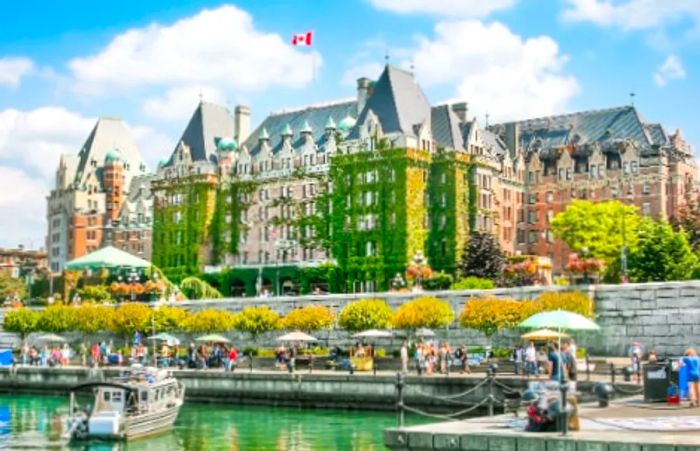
{"points": [[482, 257]]}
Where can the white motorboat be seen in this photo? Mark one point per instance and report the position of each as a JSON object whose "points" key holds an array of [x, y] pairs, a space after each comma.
{"points": [[142, 401]]}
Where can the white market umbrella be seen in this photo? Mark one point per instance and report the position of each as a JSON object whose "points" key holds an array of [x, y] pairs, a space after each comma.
{"points": [[424, 332], [544, 334], [296, 336], [50, 338], [373, 333]]}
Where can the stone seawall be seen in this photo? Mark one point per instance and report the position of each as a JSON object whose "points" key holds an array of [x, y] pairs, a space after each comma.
{"points": [[664, 316], [302, 389]]}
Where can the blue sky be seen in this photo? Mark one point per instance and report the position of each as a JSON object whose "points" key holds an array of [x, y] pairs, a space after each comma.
{"points": [[64, 64]]}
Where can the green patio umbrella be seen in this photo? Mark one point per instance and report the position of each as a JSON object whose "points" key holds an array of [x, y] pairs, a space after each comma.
{"points": [[214, 338], [107, 257], [559, 319], [164, 337]]}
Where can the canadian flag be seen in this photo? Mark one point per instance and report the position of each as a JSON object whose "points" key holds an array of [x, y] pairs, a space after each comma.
{"points": [[302, 38]]}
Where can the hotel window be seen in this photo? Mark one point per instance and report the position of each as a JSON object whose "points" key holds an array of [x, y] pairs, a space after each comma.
{"points": [[532, 217], [550, 216], [532, 237], [594, 171], [646, 189], [550, 236], [646, 209], [634, 167], [549, 197], [568, 173], [625, 167]]}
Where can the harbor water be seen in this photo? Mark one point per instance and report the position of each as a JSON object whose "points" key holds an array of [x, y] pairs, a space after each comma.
{"points": [[36, 422]]}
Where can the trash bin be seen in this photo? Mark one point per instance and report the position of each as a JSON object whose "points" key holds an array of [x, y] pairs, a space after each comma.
{"points": [[657, 379]]}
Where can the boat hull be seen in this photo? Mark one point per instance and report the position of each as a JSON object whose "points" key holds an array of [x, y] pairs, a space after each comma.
{"points": [[143, 425]]}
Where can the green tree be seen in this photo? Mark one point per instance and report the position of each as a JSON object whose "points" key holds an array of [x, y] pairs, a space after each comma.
{"points": [[661, 254], [426, 311], [130, 317], [688, 220], [482, 257], [196, 288], [309, 318], [11, 287], [365, 314], [209, 320], [97, 293], [597, 227], [473, 283], [257, 320], [22, 321]]}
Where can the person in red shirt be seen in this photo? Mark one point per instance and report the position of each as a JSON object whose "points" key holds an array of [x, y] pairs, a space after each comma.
{"points": [[96, 358], [232, 357]]}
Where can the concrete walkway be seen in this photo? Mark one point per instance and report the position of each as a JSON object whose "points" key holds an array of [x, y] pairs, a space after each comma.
{"points": [[629, 425]]}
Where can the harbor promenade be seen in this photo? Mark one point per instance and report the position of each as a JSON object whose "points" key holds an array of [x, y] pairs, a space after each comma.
{"points": [[626, 425]]}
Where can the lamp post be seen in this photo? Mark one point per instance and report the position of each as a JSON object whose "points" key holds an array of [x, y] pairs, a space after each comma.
{"points": [[132, 278], [419, 261], [623, 251], [585, 267], [156, 306]]}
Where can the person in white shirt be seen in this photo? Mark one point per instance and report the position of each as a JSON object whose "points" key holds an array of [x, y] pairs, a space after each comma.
{"points": [[531, 360], [404, 358]]}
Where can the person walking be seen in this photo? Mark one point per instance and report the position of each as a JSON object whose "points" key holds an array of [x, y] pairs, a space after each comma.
{"points": [[25, 353], [569, 361], [554, 363], [404, 358], [691, 360]]}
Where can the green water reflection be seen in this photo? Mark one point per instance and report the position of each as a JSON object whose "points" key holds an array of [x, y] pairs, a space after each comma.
{"points": [[35, 422]]}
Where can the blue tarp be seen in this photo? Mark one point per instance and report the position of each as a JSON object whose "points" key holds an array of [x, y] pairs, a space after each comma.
{"points": [[5, 357]]}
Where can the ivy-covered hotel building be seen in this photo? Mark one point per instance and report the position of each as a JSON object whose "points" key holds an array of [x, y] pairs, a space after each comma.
{"points": [[367, 184]]}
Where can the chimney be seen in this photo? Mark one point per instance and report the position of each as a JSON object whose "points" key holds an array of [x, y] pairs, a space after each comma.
{"points": [[363, 88], [241, 122], [512, 137], [461, 110]]}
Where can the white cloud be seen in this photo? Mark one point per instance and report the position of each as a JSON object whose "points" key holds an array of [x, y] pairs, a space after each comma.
{"points": [[215, 49], [369, 70], [152, 144], [23, 208], [35, 139], [178, 103], [13, 69], [447, 8], [671, 69], [632, 14], [497, 71]]}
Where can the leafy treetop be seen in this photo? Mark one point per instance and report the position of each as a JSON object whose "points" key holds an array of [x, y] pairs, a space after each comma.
{"points": [[365, 314]]}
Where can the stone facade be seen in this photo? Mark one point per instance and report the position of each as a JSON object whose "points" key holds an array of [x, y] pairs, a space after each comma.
{"points": [[17, 261], [91, 196], [271, 187]]}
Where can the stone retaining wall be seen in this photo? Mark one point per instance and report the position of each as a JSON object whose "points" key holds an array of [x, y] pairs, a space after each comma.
{"points": [[664, 316]]}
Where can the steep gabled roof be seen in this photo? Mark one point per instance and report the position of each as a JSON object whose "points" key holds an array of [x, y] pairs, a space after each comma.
{"points": [[446, 128], [585, 127], [209, 121], [398, 102], [658, 134], [109, 133], [317, 117]]}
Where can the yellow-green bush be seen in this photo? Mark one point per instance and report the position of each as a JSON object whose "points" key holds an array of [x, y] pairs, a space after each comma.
{"points": [[257, 320], [573, 301], [22, 321], [308, 318], [365, 314], [490, 314], [426, 311], [209, 320]]}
